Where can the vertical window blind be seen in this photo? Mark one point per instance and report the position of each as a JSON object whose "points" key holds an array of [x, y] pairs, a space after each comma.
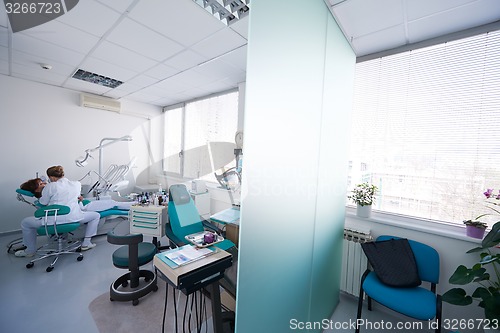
{"points": [[426, 129]]}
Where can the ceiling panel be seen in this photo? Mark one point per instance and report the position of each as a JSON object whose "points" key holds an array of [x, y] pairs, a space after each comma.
{"points": [[181, 20], [361, 17], [381, 40], [84, 86], [35, 61], [64, 35], [128, 34], [219, 43], [186, 59], [375, 26], [455, 19], [119, 6], [98, 66], [36, 73], [51, 52], [422, 8], [122, 57], [102, 17]]}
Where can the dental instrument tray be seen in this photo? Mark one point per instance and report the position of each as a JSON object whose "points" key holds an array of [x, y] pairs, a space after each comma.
{"points": [[204, 238]]}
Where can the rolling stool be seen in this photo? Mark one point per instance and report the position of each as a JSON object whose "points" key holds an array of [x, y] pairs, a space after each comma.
{"points": [[135, 253]]}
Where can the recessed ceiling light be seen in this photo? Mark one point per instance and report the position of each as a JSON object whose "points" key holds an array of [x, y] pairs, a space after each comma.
{"points": [[228, 11]]}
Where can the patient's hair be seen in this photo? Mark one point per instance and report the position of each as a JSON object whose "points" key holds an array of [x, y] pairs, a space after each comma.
{"points": [[31, 186], [55, 171]]}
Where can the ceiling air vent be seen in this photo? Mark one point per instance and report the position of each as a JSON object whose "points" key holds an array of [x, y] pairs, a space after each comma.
{"points": [[99, 102], [101, 80]]}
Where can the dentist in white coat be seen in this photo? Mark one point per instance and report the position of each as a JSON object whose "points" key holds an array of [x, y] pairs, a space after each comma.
{"points": [[60, 191]]}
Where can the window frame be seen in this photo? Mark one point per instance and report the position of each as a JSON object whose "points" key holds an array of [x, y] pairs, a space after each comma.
{"points": [[409, 219], [181, 153]]}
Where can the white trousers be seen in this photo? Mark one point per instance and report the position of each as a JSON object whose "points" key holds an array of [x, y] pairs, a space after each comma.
{"points": [[31, 223]]}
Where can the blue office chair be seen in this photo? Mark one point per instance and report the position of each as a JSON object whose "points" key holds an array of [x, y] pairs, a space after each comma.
{"points": [[57, 234], [415, 302]]}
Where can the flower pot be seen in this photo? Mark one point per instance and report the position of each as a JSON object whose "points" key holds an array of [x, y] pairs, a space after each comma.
{"points": [[364, 211], [474, 232]]}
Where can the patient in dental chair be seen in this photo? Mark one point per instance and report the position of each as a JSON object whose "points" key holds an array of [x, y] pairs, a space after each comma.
{"points": [[36, 186]]}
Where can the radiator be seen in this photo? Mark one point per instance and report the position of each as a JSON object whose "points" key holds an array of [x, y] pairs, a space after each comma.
{"points": [[354, 262]]}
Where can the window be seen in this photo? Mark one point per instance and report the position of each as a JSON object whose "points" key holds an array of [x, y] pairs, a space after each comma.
{"points": [[426, 128], [199, 135]]}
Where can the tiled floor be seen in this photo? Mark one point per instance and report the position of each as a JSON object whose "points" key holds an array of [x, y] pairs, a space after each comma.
{"points": [[33, 300]]}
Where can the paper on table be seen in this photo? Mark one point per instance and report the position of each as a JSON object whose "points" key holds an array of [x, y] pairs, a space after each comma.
{"points": [[187, 254], [231, 215]]}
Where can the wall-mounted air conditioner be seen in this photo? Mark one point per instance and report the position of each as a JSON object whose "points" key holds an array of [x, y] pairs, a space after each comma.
{"points": [[99, 102]]}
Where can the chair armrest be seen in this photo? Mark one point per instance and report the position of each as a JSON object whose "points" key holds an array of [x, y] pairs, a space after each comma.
{"points": [[51, 210]]}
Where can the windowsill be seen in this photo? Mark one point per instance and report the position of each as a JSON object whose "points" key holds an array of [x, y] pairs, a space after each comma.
{"points": [[443, 229]]}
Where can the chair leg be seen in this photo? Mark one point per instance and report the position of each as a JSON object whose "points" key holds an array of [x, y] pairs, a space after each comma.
{"points": [[438, 313], [360, 308], [360, 299]]}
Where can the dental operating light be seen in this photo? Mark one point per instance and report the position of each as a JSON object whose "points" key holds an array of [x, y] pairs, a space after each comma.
{"points": [[82, 161]]}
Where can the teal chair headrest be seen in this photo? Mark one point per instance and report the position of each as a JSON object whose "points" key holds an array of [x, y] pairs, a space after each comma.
{"points": [[61, 210], [24, 192], [179, 194]]}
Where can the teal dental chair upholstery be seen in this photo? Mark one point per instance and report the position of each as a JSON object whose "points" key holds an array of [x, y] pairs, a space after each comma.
{"points": [[58, 235], [109, 212], [133, 254], [184, 219], [415, 302]]}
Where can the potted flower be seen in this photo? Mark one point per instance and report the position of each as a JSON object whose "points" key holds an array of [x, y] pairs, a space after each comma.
{"points": [[475, 228], [363, 195]]}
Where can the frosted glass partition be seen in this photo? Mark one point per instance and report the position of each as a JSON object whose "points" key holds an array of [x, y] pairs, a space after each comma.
{"points": [[298, 95]]}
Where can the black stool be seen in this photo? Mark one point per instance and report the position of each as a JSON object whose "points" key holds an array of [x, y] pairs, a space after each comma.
{"points": [[135, 253]]}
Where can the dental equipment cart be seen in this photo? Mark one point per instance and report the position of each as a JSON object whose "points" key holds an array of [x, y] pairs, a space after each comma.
{"points": [[148, 220]]}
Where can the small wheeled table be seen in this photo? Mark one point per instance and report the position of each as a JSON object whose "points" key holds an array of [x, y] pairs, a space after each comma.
{"points": [[201, 273]]}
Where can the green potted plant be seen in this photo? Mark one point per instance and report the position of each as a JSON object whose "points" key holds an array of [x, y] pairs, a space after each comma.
{"points": [[485, 274], [487, 293], [363, 195], [475, 228]]}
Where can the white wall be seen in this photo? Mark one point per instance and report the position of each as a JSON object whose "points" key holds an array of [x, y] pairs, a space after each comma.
{"points": [[42, 125]]}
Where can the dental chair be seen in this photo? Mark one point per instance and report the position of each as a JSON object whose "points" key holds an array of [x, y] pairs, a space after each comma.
{"points": [[184, 219], [60, 242], [109, 212]]}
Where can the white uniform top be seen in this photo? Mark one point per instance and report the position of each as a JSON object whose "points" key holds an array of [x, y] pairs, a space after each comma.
{"points": [[63, 192]]}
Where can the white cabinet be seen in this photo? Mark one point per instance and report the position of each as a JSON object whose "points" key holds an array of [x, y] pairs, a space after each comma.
{"points": [[148, 220], [202, 203]]}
